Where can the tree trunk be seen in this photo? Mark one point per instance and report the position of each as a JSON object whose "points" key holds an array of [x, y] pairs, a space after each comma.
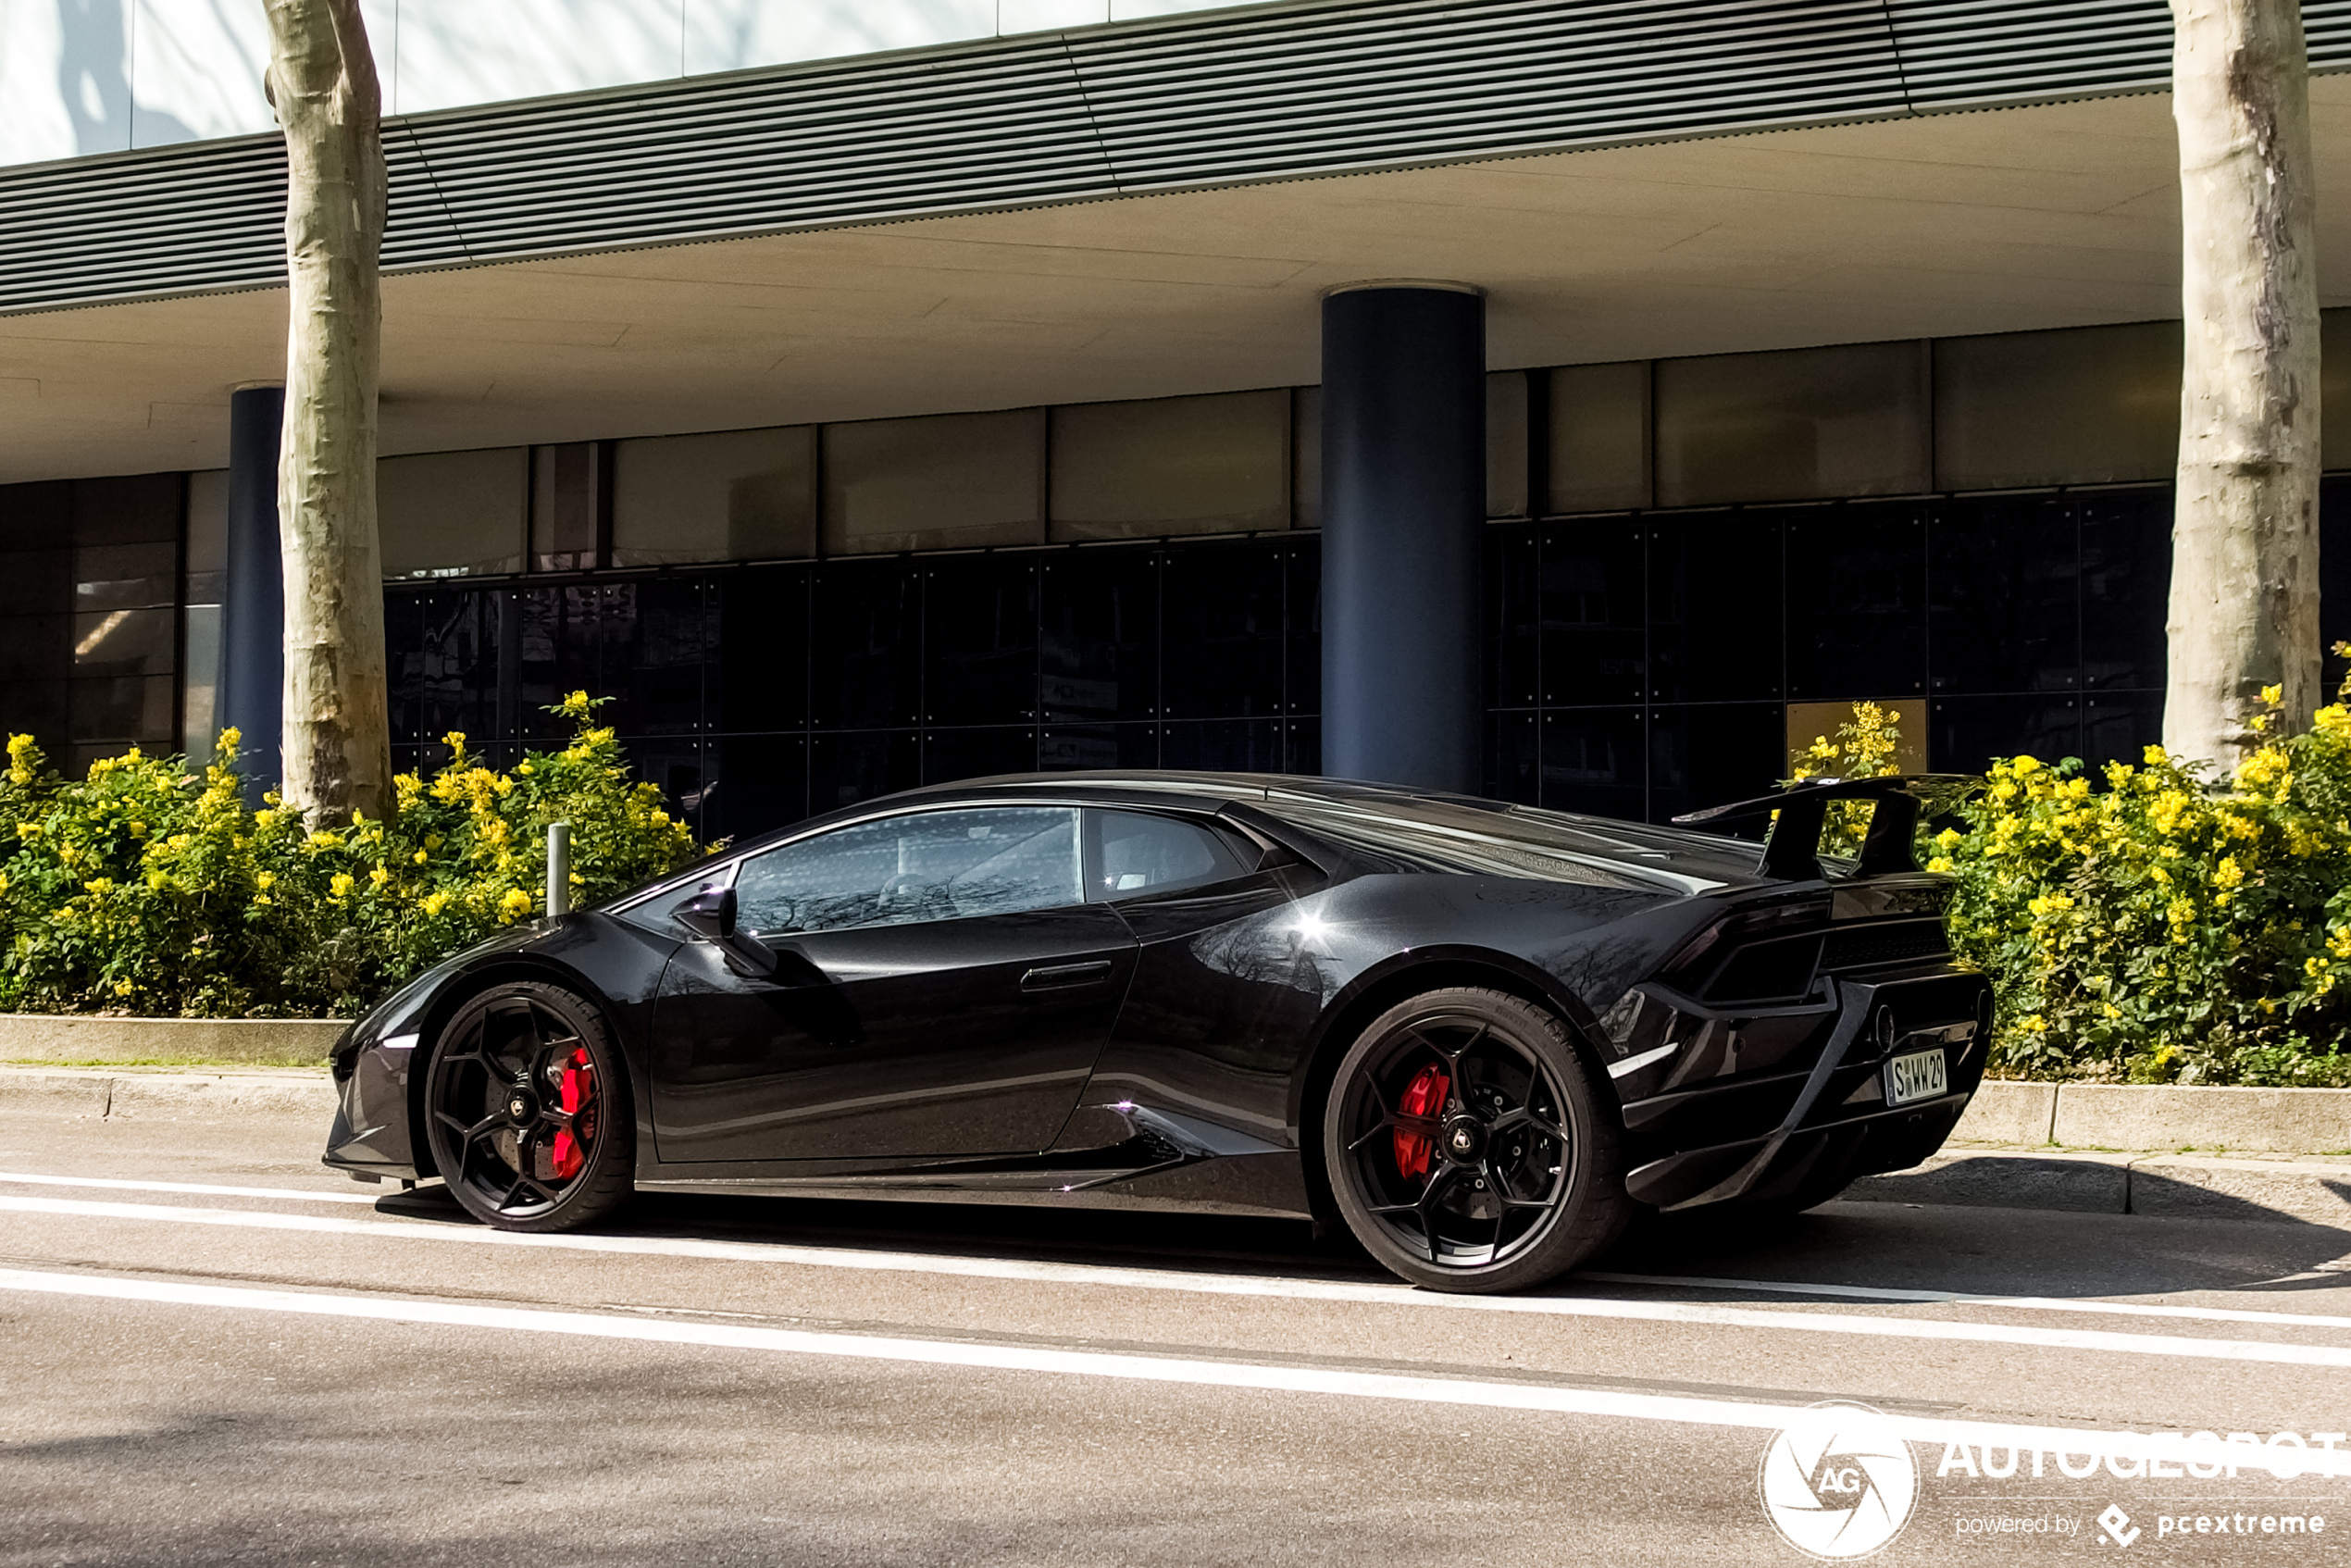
{"points": [[337, 735], [2244, 542]]}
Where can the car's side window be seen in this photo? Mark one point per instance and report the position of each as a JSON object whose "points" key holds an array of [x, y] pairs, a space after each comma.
{"points": [[921, 866], [1132, 853]]}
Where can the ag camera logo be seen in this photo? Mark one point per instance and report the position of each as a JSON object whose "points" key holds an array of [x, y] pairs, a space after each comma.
{"points": [[1838, 1482]]}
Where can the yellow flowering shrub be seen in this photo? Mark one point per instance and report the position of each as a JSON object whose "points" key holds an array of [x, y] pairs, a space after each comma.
{"points": [[148, 888], [2151, 924]]}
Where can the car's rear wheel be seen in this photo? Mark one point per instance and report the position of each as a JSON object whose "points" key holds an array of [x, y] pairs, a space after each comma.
{"points": [[1465, 1147], [526, 1110]]}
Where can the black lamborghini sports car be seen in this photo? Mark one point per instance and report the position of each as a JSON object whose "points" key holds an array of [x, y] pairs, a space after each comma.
{"points": [[1482, 1036]]}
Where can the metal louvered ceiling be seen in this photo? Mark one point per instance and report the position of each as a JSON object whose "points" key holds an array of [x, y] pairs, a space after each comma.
{"points": [[1265, 95]]}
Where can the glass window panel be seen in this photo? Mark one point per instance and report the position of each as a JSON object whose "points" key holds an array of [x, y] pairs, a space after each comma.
{"points": [[934, 483], [531, 624], [2084, 406], [1225, 745], [1812, 722], [1966, 733], [1711, 754], [37, 516], [37, 708], [404, 667], [118, 577], [1795, 424], [736, 495], [1072, 747], [1303, 746], [1223, 610], [1099, 653], [122, 711], [135, 509], [1506, 444], [1175, 464], [563, 630], [1133, 853], [2334, 389], [1596, 760], [920, 866], [207, 543], [2334, 571], [655, 647], [1714, 602], [1306, 458], [39, 581], [2003, 577], [1302, 627], [451, 514], [113, 642], [35, 648], [2121, 726], [761, 679], [1856, 603], [1512, 613], [673, 763], [458, 665], [979, 640], [759, 783], [949, 755], [1599, 435], [2126, 586], [1514, 758], [864, 671], [846, 769], [1594, 646]]}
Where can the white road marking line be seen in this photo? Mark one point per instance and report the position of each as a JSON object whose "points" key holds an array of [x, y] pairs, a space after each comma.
{"points": [[1688, 1409], [1781, 1320], [201, 1189], [1966, 1299], [835, 1257]]}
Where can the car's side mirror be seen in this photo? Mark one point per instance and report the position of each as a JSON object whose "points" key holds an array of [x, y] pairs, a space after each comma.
{"points": [[710, 915]]}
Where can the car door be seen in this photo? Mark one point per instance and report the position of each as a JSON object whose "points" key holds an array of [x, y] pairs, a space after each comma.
{"points": [[943, 989]]}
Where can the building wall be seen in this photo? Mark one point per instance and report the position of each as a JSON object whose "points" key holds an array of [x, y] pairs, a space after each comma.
{"points": [[1693, 566], [83, 77]]}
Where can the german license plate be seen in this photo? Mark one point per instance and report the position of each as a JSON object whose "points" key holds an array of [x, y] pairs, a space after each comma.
{"points": [[1922, 1074]]}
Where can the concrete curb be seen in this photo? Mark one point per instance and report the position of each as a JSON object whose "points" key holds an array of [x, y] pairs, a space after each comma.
{"points": [[52, 1037], [93, 1094], [2315, 1191], [2164, 1116]]}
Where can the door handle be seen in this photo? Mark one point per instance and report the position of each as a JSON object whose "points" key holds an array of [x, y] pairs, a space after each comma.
{"points": [[1063, 976]]}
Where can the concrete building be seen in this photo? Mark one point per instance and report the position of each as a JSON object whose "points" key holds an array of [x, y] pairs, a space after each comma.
{"points": [[865, 393]]}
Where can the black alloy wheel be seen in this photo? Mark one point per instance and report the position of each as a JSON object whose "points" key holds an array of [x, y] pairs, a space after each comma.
{"points": [[1465, 1147], [526, 1110]]}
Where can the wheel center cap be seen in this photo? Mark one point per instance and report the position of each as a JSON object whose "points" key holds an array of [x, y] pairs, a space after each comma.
{"points": [[520, 1106], [1464, 1138]]}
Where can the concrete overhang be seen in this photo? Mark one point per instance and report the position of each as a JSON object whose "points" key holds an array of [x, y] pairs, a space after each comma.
{"points": [[2050, 215]]}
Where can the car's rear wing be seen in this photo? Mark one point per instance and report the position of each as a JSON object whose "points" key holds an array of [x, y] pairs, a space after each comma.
{"points": [[1793, 851]]}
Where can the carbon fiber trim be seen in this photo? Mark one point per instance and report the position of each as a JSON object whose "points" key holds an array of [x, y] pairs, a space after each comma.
{"points": [[1263, 94]]}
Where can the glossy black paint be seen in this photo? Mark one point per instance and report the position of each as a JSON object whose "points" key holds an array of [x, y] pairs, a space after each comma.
{"points": [[1174, 1048]]}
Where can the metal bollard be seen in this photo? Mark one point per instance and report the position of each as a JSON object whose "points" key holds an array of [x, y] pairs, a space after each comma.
{"points": [[558, 868]]}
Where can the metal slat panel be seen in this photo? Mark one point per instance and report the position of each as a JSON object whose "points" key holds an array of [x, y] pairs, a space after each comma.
{"points": [[1189, 101]]}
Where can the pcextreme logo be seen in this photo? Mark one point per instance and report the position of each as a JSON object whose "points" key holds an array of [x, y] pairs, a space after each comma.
{"points": [[1839, 1482]]}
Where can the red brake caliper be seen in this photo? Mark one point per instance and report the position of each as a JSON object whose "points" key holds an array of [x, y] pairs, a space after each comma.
{"points": [[577, 1088], [1424, 1096]]}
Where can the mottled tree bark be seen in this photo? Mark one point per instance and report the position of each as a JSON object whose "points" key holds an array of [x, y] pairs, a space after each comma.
{"points": [[337, 737], [2245, 542]]}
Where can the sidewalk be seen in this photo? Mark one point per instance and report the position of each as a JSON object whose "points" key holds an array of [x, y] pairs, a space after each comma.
{"points": [[167, 1093]]}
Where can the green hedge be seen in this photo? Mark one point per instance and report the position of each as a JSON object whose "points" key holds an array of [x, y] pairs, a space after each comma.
{"points": [[149, 887]]}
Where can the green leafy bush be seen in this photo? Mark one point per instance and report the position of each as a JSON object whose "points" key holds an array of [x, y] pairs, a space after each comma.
{"points": [[2153, 925], [151, 888]]}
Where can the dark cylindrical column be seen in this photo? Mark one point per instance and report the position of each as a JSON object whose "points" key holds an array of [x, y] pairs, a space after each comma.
{"points": [[1403, 510], [253, 610]]}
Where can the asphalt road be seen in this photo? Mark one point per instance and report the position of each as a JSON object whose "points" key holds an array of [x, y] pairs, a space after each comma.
{"points": [[216, 1351]]}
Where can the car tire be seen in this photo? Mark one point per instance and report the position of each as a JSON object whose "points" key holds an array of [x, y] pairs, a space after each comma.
{"points": [[528, 1110], [1439, 1137]]}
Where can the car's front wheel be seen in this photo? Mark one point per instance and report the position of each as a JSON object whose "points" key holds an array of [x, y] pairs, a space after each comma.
{"points": [[526, 1110], [1465, 1147]]}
